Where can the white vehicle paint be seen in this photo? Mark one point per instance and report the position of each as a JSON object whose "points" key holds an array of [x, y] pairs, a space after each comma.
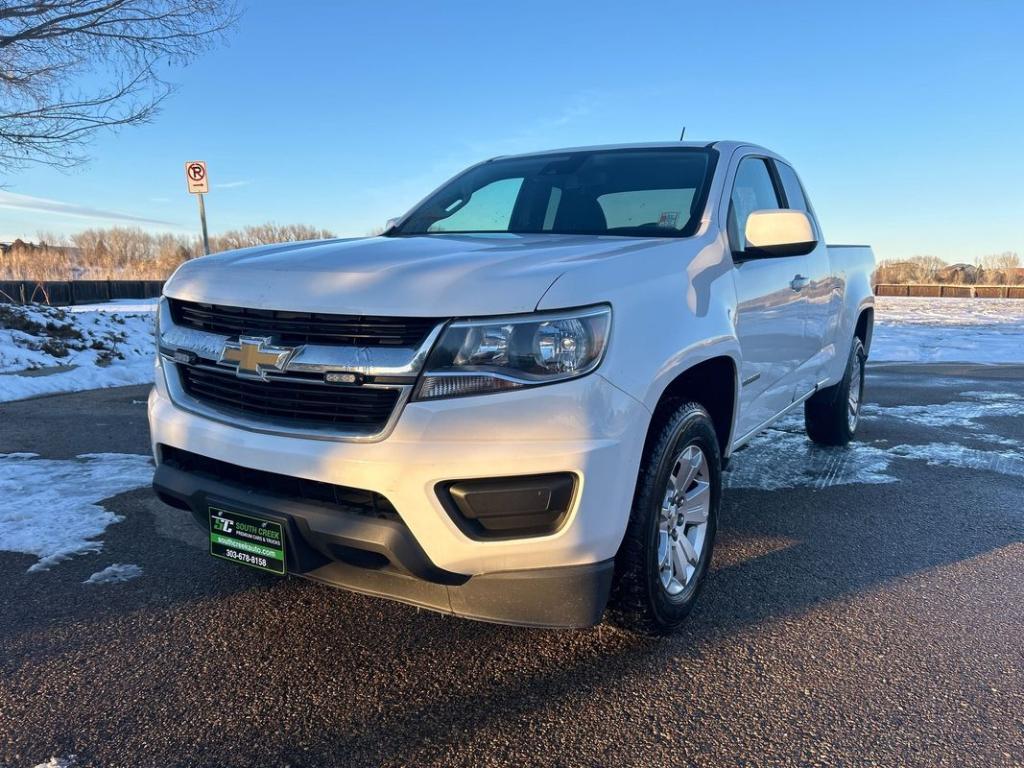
{"points": [[664, 306]]}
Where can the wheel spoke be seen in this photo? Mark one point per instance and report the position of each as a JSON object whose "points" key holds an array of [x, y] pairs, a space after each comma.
{"points": [[675, 479], [685, 546], [679, 561], [664, 552], [697, 500], [695, 515], [692, 461], [667, 510]]}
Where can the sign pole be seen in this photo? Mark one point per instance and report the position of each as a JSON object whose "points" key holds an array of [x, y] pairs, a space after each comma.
{"points": [[202, 218]]}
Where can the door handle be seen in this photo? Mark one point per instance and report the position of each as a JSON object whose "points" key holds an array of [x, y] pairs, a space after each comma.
{"points": [[799, 282]]}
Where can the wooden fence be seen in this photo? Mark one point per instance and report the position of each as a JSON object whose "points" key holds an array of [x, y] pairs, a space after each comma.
{"points": [[952, 291], [66, 292]]}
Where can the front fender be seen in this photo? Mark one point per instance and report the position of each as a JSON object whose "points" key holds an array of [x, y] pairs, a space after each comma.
{"points": [[672, 308]]}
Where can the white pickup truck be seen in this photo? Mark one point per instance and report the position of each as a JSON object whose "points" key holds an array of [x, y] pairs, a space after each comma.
{"points": [[516, 403]]}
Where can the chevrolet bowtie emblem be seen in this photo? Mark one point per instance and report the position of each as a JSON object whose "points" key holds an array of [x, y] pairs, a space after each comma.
{"points": [[255, 356]]}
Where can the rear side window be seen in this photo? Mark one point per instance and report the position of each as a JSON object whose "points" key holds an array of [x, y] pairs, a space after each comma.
{"points": [[792, 187], [752, 190]]}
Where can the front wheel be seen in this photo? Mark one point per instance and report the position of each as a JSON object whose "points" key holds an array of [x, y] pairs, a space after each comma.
{"points": [[663, 561], [832, 414]]}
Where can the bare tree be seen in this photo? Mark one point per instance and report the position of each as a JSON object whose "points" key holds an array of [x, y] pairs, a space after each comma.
{"points": [[265, 234], [120, 253], [924, 269], [1004, 260], [71, 67]]}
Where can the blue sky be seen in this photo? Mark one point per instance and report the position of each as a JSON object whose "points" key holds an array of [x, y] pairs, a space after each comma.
{"points": [[903, 118]]}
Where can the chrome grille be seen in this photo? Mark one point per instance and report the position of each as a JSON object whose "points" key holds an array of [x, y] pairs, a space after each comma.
{"points": [[295, 399]]}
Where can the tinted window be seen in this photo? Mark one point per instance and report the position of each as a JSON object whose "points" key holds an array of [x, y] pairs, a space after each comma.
{"points": [[487, 210], [791, 185], [642, 208], [635, 192], [752, 190]]}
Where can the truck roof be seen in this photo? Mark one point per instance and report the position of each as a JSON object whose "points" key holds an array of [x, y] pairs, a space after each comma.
{"points": [[725, 146]]}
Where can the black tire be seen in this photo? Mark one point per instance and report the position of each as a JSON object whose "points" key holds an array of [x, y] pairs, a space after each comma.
{"points": [[828, 413], [640, 601]]}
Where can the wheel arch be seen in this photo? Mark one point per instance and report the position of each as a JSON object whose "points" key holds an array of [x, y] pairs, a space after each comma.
{"points": [[865, 326], [714, 383]]}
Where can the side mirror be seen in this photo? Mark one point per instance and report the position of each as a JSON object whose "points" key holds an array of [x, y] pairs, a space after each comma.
{"points": [[779, 233], [391, 223]]}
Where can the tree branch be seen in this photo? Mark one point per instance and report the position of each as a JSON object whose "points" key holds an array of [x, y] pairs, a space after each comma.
{"points": [[48, 48]]}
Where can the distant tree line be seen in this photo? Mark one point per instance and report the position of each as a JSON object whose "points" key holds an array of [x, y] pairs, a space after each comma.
{"points": [[124, 253], [995, 269], [131, 254]]}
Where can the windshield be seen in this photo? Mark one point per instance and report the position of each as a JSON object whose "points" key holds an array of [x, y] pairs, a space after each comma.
{"points": [[632, 192]]}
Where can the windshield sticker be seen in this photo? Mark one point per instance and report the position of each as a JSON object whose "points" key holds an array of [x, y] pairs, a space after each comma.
{"points": [[668, 219]]}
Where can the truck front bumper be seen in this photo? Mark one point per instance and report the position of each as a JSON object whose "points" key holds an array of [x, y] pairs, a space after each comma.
{"points": [[586, 427], [381, 558]]}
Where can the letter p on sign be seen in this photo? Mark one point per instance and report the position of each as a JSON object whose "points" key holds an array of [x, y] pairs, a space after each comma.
{"points": [[195, 174]]}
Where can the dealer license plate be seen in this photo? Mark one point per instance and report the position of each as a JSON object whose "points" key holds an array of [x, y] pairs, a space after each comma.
{"points": [[247, 540]]}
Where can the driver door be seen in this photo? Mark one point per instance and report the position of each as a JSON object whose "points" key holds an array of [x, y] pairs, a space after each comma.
{"points": [[771, 306]]}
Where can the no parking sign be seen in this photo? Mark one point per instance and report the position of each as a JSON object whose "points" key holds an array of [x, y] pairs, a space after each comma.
{"points": [[195, 174]]}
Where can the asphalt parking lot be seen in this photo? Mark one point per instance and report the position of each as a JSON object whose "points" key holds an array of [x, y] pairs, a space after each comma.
{"points": [[866, 607]]}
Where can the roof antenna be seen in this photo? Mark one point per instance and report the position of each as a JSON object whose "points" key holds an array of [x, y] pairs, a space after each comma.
{"points": [[682, 133]]}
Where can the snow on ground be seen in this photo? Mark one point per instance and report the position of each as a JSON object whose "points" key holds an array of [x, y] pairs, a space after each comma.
{"points": [[115, 574], [919, 330], [784, 457], [44, 350], [963, 413], [49, 507]]}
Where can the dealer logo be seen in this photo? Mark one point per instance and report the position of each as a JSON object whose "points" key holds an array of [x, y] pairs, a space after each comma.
{"points": [[221, 525]]}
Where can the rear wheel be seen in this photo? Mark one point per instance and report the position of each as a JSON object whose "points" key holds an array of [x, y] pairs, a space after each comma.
{"points": [[832, 414], [663, 561]]}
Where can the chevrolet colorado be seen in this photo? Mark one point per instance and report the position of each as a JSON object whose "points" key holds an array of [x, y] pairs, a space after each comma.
{"points": [[516, 403]]}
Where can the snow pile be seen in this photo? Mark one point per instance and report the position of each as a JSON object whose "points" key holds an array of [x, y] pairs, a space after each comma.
{"points": [[44, 350], [917, 330], [115, 574], [50, 508]]}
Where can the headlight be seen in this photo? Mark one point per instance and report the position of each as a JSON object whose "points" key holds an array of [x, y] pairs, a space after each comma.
{"points": [[163, 317], [478, 356]]}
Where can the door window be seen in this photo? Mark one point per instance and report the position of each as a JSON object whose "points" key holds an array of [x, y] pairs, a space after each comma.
{"points": [[752, 190], [792, 187], [795, 196]]}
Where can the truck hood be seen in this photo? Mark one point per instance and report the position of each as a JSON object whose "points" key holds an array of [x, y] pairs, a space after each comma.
{"points": [[425, 276]]}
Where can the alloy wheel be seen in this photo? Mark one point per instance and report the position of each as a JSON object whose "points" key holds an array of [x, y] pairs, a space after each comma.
{"points": [[683, 522], [856, 389]]}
